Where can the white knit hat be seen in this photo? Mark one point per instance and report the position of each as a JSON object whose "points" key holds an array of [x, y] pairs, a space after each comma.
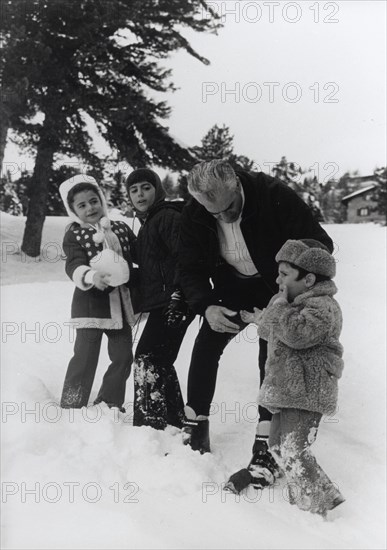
{"points": [[106, 260], [67, 185]]}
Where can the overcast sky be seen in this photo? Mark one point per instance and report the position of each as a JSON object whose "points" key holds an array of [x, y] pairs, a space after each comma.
{"points": [[301, 79]]}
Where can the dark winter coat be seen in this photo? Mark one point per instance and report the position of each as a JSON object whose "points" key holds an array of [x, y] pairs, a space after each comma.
{"points": [[93, 308], [272, 214], [156, 254], [304, 353]]}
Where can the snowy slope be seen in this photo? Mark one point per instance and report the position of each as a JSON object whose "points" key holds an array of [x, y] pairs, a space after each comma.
{"points": [[89, 479]]}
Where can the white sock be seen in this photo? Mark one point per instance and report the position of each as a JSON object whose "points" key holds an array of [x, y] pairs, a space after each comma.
{"points": [[263, 428], [191, 414]]}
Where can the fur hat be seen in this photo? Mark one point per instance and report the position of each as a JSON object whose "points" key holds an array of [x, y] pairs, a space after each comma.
{"points": [[308, 254], [143, 174]]}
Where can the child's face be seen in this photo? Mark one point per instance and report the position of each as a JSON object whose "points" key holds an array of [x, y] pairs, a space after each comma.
{"points": [[88, 207], [287, 276], [142, 195]]}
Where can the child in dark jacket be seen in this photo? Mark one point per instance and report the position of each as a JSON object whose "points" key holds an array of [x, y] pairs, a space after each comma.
{"points": [[98, 261], [157, 395], [302, 325]]}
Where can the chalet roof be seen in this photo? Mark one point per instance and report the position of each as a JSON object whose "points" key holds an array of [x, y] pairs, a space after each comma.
{"points": [[359, 192]]}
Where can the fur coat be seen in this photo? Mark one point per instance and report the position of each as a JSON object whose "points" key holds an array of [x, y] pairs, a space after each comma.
{"points": [[304, 353]]}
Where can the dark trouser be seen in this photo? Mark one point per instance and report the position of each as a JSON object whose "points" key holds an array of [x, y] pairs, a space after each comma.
{"points": [[157, 395], [236, 293], [83, 365], [292, 432]]}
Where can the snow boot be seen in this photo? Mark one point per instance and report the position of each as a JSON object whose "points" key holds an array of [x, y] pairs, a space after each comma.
{"points": [[263, 468], [238, 481], [261, 471], [196, 431]]}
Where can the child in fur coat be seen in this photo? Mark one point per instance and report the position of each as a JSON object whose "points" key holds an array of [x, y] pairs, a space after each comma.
{"points": [[302, 325], [98, 261]]}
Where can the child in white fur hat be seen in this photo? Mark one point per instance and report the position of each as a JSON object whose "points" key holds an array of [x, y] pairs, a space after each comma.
{"points": [[302, 325], [98, 261]]}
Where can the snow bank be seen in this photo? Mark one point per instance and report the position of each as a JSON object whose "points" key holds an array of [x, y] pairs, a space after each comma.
{"points": [[89, 479]]}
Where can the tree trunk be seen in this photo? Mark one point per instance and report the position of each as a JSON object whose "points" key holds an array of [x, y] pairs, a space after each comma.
{"points": [[13, 104], [4, 126], [32, 237]]}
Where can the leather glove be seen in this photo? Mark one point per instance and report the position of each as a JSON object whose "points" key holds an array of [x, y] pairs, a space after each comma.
{"points": [[177, 310]]}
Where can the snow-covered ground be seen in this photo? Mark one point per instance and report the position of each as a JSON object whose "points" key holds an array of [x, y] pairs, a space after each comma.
{"points": [[89, 479]]}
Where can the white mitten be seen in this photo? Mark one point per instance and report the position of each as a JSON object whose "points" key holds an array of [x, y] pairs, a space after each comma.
{"points": [[110, 262]]}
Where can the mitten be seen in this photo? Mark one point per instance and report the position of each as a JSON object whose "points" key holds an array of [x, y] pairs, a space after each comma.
{"points": [[177, 310]]}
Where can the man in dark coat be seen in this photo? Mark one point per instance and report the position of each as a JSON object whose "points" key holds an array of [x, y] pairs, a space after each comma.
{"points": [[231, 230]]}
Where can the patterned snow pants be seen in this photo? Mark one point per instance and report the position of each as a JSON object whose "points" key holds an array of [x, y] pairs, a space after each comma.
{"points": [[157, 395], [292, 433]]}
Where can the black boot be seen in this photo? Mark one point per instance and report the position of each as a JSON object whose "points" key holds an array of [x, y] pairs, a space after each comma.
{"points": [[238, 481], [196, 431], [263, 468], [261, 471]]}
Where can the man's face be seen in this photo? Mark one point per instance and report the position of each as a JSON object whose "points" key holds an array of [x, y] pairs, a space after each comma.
{"points": [[226, 207]]}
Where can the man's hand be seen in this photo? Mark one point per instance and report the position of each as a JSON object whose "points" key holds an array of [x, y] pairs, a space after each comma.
{"points": [[217, 317], [101, 280]]}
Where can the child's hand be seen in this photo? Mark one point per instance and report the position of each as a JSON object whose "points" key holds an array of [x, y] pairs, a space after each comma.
{"points": [[281, 296], [101, 280], [284, 292], [249, 317]]}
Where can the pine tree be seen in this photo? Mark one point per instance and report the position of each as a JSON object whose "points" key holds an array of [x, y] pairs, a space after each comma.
{"points": [[91, 60], [118, 194], [289, 173], [218, 143], [312, 191], [381, 191], [330, 201], [183, 187], [241, 161], [309, 190], [9, 200]]}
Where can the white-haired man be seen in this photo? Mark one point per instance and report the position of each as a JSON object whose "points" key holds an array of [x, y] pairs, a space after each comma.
{"points": [[231, 230]]}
